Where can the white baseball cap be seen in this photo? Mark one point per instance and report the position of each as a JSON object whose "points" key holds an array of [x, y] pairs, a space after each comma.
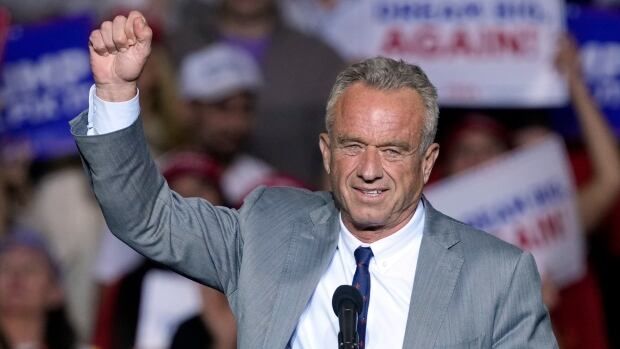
{"points": [[218, 71]]}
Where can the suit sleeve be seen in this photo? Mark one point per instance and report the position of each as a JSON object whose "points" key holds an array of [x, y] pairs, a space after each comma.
{"points": [[190, 236], [522, 321]]}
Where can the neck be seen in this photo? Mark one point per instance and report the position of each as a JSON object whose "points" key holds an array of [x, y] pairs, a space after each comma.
{"points": [[370, 234], [21, 329]]}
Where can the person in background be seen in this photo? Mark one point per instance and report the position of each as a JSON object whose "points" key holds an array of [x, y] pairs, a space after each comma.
{"points": [[213, 328], [299, 70], [66, 213], [576, 310], [578, 316], [599, 192], [476, 139], [219, 85], [193, 174], [17, 188], [51, 197], [31, 297]]}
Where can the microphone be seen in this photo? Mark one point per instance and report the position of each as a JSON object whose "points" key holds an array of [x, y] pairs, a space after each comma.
{"points": [[347, 304]]}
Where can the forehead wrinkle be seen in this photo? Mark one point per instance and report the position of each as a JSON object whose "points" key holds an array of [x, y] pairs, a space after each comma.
{"points": [[396, 114], [387, 131]]}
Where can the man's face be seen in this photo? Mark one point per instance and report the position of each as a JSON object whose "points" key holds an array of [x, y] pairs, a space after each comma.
{"points": [[224, 126], [26, 282], [373, 158], [473, 148]]}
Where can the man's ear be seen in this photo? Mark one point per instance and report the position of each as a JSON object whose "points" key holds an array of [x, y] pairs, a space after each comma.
{"points": [[324, 144], [430, 156]]}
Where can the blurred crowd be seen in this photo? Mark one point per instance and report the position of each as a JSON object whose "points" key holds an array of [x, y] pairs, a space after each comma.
{"points": [[233, 97]]}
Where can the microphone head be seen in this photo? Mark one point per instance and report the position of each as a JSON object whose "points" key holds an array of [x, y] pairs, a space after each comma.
{"points": [[344, 293]]}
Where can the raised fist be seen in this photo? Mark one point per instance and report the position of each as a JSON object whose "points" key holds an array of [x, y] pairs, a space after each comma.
{"points": [[118, 53]]}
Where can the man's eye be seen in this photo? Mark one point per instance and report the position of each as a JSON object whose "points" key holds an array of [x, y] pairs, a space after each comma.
{"points": [[352, 148], [392, 151]]}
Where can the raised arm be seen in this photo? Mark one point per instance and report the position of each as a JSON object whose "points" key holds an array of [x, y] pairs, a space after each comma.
{"points": [[599, 193], [189, 235]]}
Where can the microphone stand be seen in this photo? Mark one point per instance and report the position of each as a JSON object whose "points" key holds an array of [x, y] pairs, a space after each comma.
{"points": [[348, 337], [347, 304]]}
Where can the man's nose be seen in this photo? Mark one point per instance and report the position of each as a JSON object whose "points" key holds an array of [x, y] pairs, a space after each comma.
{"points": [[370, 167]]}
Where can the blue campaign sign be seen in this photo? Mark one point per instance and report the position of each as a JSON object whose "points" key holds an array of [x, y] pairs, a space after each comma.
{"points": [[44, 83], [597, 32]]}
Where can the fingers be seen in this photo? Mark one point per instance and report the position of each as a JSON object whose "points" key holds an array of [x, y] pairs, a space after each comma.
{"points": [[144, 33], [120, 34], [96, 43], [129, 32], [106, 34], [129, 26]]}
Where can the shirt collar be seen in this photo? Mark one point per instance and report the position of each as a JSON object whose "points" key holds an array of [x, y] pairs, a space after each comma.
{"points": [[386, 249]]}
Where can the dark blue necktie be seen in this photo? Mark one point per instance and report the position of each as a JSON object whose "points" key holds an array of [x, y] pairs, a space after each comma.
{"points": [[361, 281]]}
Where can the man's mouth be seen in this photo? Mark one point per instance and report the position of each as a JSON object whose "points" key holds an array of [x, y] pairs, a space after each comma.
{"points": [[371, 192]]}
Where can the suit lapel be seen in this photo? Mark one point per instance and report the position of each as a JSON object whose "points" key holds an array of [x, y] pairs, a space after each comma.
{"points": [[437, 271], [312, 244]]}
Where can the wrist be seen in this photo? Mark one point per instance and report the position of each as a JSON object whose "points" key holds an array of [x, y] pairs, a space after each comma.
{"points": [[116, 92], [576, 84]]}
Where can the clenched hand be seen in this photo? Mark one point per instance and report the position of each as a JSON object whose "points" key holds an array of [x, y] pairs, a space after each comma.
{"points": [[118, 52]]}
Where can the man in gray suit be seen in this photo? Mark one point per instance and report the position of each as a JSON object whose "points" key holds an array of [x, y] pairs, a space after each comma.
{"points": [[428, 281]]}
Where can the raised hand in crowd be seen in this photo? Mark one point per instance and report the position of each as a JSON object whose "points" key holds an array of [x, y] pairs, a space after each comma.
{"points": [[598, 195]]}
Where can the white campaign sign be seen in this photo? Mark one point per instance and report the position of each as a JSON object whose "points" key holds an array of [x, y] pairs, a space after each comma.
{"points": [[526, 198], [477, 52]]}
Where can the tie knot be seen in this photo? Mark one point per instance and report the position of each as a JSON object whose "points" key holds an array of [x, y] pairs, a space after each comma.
{"points": [[363, 255]]}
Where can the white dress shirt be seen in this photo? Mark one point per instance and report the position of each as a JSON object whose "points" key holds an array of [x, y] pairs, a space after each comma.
{"points": [[107, 117], [392, 268]]}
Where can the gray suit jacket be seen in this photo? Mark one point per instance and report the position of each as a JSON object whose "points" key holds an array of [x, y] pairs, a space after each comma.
{"points": [[471, 290]]}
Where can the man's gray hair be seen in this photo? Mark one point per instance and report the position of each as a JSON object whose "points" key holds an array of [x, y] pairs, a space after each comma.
{"points": [[388, 74]]}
